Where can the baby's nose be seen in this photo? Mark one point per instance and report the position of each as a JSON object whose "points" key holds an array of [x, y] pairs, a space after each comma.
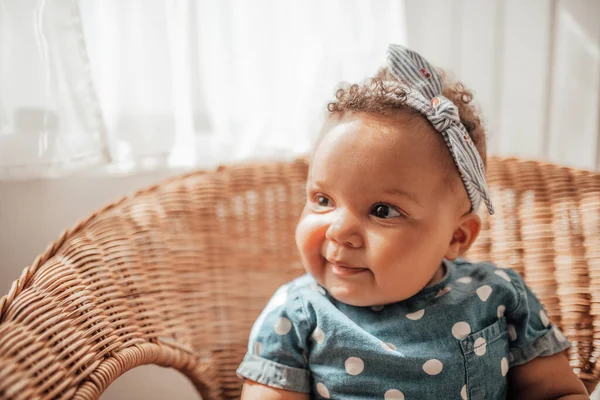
{"points": [[345, 230]]}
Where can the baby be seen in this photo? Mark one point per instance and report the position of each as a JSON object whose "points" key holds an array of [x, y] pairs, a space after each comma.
{"points": [[388, 310]]}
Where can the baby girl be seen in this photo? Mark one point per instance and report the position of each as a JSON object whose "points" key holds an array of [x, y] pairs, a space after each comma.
{"points": [[388, 309]]}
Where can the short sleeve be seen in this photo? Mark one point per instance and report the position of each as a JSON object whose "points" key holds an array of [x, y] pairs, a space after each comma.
{"points": [[277, 346], [531, 333]]}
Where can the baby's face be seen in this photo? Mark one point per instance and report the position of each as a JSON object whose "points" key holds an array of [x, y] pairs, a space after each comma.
{"points": [[379, 215]]}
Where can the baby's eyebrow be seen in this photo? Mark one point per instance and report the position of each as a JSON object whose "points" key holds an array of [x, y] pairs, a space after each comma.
{"points": [[315, 183], [404, 193]]}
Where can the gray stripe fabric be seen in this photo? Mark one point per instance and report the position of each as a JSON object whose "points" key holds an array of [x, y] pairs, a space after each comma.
{"points": [[424, 86]]}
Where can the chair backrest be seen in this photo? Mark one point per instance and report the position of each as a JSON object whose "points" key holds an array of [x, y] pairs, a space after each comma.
{"points": [[176, 275]]}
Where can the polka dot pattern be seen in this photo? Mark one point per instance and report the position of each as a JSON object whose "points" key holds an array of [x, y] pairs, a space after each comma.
{"points": [[512, 332], [559, 334], [433, 367], [443, 291], [393, 394], [502, 274], [484, 292], [501, 309], [318, 335], [480, 346], [504, 366], [280, 297], [257, 348], [415, 316], [438, 324], [354, 365], [322, 390], [388, 346], [544, 318], [465, 280], [461, 330], [283, 326]]}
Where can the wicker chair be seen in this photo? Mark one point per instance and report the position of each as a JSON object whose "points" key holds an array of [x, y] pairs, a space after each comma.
{"points": [[176, 274]]}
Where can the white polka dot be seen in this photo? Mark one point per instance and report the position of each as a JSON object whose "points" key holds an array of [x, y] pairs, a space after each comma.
{"points": [[559, 334], [544, 318], [512, 357], [318, 335], [282, 326], [393, 394], [433, 367], [502, 274], [463, 392], [388, 346], [512, 332], [354, 365], [501, 309], [322, 390], [480, 346], [257, 348], [280, 297], [376, 308], [504, 366], [484, 292], [461, 330], [416, 315], [443, 291], [465, 280]]}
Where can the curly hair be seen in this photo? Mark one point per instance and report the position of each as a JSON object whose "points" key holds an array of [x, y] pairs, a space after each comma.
{"points": [[383, 95]]}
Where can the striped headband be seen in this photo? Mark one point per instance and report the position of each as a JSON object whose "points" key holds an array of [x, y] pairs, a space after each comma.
{"points": [[424, 94]]}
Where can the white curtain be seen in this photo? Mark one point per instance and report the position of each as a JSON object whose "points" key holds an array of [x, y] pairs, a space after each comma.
{"points": [[534, 65], [138, 84], [50, 122]]}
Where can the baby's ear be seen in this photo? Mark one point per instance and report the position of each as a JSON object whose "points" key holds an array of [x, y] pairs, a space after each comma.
{"points": [[464, 235]]}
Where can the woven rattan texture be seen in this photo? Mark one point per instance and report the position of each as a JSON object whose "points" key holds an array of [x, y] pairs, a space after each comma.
{"points": [[176, 274]]}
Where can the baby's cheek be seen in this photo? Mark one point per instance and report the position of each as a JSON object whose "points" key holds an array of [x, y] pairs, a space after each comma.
{"points": [[310, 233]]}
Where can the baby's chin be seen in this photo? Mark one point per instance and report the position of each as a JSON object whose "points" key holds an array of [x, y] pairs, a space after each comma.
{"points": [[343, 296], [358, 297]]}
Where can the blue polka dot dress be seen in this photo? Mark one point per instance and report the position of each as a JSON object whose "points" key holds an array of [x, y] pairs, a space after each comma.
{"points": [[456, 339]]}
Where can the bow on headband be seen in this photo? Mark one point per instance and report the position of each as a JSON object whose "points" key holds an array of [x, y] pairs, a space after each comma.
{"points": [[424, 88]]}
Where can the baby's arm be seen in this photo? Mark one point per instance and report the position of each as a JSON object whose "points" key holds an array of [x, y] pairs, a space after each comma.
{"points": [[544, 378], [256, 391], [276, 364]]}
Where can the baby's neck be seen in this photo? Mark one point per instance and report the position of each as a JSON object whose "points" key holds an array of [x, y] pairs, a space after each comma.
{"points": [[439, 275]]}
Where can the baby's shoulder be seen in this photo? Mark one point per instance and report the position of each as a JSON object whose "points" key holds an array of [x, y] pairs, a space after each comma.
{"points": [[305, 287], [484, 271], [487, 277], [299, 292]]}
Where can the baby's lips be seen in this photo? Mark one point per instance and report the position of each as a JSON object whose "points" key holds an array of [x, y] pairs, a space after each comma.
{"points": [[344, 264]]}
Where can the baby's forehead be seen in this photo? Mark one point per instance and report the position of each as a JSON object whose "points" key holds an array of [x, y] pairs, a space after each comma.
{"points": [[401, 149], [387, 137]]}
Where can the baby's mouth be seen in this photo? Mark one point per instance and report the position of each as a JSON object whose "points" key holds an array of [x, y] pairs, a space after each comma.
{"points": [[343, 270]]}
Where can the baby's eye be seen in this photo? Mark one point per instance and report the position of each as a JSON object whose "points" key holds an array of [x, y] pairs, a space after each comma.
{"points": [[384, 211], [322, 201]]}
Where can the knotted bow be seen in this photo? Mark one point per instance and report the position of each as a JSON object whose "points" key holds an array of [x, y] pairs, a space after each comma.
{"points": [[424, 87]]}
